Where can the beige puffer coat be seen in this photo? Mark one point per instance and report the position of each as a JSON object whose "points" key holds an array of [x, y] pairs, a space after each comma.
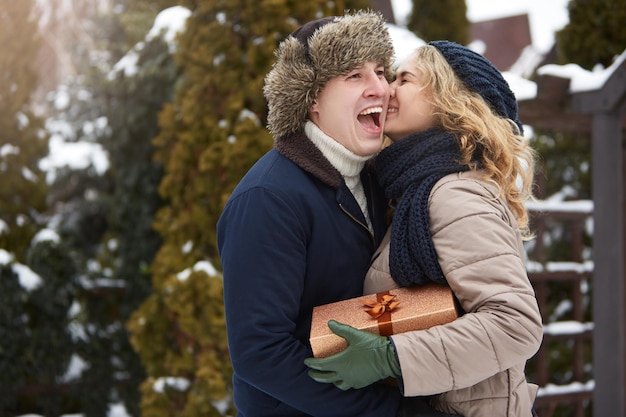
{"points": [[476, 363]]}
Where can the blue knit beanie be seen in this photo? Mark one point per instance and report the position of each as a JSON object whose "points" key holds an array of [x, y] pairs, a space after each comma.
{"points": [[480, 76]]}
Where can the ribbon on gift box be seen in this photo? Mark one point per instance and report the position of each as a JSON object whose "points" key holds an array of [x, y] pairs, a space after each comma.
{"points": [[381, 310]]}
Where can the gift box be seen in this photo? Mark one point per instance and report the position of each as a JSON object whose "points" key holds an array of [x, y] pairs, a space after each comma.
{"points": [[385, 313]]}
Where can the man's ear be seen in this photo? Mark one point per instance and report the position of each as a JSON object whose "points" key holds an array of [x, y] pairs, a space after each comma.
{"points": [[314, 111]]}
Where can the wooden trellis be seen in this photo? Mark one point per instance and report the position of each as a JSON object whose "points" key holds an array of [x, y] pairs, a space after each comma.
{"points": [[599, 113]]}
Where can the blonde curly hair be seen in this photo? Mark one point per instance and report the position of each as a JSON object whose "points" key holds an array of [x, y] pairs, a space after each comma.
{"points": [[488, 141]]}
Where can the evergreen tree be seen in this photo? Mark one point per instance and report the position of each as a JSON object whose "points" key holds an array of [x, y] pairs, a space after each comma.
{"points": [[37, 277], [595, 34], [442, 19], [211, 133], [115, 258], [128, 247], [104, 223], [23, 142], [36, 341]]}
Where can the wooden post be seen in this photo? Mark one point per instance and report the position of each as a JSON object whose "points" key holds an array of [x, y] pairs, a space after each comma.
{"points": [[609, 337], [607, 107]]}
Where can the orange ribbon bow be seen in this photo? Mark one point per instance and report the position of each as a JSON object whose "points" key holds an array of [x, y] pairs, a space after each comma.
{"points": [[378, 308]]}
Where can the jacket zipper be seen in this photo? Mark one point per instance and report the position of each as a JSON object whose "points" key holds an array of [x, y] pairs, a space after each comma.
{"points": [[360, 223]]}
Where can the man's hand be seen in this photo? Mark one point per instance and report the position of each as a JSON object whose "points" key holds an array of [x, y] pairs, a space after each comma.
{"points": [[368, 358]]}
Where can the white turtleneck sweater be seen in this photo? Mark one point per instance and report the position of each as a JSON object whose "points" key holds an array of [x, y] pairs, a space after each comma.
{"points": [[345, 161]]}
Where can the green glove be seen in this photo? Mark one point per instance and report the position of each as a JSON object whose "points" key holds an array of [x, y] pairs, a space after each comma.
{"points": [[368, 358]]}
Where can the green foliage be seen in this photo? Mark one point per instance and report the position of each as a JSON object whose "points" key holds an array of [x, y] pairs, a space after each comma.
{"points": [[595, 34], [563, 173], [22, 140], [438, 20], [186, 330], [131, 108], [36, 343], [13, 340], [564, 163], [105, 225], [125, 204]]}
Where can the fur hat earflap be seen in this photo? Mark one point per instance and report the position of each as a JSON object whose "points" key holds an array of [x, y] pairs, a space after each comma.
{"points": [[315, 53]]}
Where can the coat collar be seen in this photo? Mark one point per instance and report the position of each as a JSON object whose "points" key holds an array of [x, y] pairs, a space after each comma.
{"points": [[299, 149]]}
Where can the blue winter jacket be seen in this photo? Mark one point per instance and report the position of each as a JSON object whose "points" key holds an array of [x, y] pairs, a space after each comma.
{"points": [[292, 237]]}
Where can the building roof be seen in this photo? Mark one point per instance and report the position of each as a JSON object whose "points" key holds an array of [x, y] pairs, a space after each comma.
{"points": [[504, 39]]}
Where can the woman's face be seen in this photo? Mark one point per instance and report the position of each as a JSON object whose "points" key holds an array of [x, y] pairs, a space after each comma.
{"points": [[409, 109]]}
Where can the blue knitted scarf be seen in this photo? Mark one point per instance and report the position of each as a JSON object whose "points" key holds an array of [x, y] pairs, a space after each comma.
{"points": [[408, 169]]}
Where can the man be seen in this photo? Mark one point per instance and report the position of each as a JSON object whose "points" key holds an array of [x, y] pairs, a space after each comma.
{"points": [[300, 228]]}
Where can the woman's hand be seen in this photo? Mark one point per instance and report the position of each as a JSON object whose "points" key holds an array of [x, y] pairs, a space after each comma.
{"points": [[368, 359]]}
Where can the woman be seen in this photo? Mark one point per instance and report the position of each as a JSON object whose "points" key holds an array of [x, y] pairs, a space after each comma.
{"points": [[457, 172]]}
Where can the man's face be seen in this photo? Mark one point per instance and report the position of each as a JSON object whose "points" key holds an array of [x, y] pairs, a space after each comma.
{"points": [[352, 108]]}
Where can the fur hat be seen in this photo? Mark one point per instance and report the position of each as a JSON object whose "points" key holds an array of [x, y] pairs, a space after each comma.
{"points": [[315, 53], [480, 76]]}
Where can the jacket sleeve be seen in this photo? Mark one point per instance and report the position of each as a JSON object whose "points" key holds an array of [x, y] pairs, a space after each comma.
{"points": [[263, 249], [481, 254]]}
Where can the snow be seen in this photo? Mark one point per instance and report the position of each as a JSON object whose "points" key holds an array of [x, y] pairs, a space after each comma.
{"points": [[169, 23], [187, 247], [128, 64], [577, 267], [574, 387], [550, 205], [8, 149], [404, 41], [4, 227], [205, 266], [582, 79], [5, 257], [28, 279], [74, 369], [573, 267], [522, 88], [567, 328], [46, 235], [76, 155], [179, 384]]}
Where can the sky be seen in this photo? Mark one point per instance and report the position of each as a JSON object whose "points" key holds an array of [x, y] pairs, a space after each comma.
{"points": [[545, 17]]}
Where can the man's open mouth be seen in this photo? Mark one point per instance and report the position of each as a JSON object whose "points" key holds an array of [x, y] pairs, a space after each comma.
{"points": [[370, 117]]}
